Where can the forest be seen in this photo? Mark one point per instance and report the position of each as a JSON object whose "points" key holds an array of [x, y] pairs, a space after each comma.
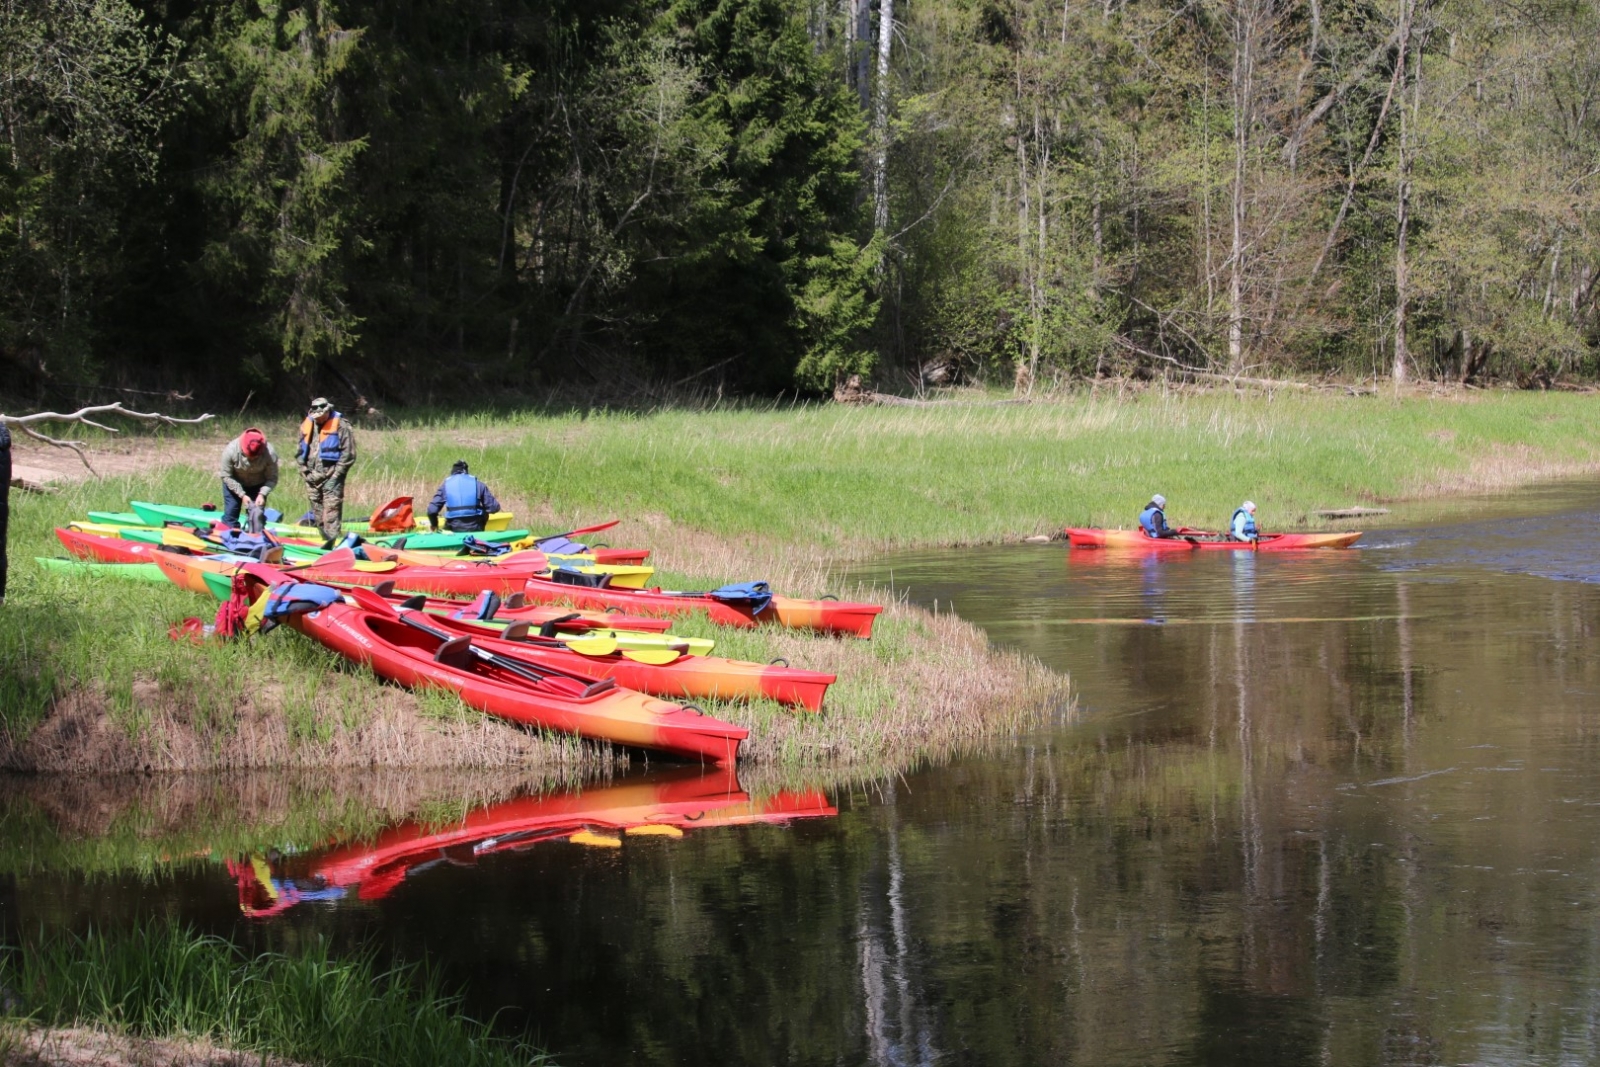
{"points": [[492, 197]]}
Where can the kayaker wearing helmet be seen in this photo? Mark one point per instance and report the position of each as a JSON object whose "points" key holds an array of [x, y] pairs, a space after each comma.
{"points": [[1153, 519], [1243, 525], [249, 472], [465, 501], [327, 449]]}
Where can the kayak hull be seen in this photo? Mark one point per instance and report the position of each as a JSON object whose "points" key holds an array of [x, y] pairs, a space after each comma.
{"points": [[404, 655], [103, 549], [695, 677], [825, 616], [1205, 541]]}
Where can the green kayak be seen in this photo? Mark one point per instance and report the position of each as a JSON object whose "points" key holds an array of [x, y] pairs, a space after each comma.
{"points": [[157, 515], [137, 572]]}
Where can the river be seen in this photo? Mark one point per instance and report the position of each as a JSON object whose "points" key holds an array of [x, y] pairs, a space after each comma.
{"points": [[1321, 808]]}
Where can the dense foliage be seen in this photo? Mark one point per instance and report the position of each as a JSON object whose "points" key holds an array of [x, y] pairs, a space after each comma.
{"points": [[775, 193]]}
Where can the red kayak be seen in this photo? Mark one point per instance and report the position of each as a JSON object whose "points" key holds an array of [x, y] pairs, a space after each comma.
{"points": [[661, 805], [414, 656], [826, 616], [1187, 540], [105, 549], [694, 677]]}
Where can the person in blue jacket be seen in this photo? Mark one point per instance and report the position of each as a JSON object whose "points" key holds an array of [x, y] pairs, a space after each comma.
{"points": [[465, 501], [1153, 519], [1243, 525]]}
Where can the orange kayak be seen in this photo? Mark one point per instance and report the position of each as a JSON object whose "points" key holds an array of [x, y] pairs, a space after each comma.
{"points": [[1187, 540]]}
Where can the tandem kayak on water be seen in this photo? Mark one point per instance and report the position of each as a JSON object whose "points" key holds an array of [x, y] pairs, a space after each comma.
{"points": [[1187, 540]]}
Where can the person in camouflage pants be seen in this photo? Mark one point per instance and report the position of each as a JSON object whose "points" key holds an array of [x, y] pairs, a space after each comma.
{"points": [[327, 449]]}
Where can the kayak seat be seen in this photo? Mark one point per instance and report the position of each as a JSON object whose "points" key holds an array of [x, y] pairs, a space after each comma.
{"points": [[549, 628], [517, 631], [456, 652], [567, 576]]}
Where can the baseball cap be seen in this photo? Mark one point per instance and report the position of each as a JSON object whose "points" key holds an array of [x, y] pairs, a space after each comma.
{"points": [[1159, 501], [252, 441]]}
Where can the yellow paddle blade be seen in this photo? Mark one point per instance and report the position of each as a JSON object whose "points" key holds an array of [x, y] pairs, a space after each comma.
{"points": [[594, 840], [375, 566], [171, 535], [653, 830], [257, 612], [591, 646], [655, 656]]}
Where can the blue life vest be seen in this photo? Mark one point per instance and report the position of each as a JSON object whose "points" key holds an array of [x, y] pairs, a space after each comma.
{"points": [[1154, 521], [476, 546], [294, 598], [757, 596], [1247, 530], [330, 443], [461, 498]]}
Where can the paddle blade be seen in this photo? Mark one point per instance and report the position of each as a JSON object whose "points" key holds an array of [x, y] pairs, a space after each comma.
{"points": [[591, 646], [338, 559], [371, 599], [655, 657]]}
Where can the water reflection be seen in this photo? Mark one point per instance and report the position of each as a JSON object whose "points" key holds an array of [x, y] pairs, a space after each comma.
{"points": [[1337, 807], [660, 805]]}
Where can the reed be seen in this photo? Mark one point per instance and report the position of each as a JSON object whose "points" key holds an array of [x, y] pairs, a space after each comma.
{"points": [[161, 980]]}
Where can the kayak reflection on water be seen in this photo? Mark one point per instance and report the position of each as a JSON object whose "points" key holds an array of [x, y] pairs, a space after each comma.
{"points": [[660, 805]]}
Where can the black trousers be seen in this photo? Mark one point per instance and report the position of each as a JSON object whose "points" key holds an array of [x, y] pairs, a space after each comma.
{"points": [[5, 502]]}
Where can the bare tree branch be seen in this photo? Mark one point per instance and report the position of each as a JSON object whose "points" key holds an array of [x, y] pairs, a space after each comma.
{"points": [[81, 416]]}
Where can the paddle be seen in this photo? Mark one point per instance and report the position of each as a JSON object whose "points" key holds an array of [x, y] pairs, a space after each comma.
{"points": [[585, 645], [553, 676]]}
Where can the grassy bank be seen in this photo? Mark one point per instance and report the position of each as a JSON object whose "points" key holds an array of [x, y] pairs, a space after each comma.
{"points": [[161, 981], [782, 493]]}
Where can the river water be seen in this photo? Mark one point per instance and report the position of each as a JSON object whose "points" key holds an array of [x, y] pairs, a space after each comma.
{"points": [[1320, 808]]}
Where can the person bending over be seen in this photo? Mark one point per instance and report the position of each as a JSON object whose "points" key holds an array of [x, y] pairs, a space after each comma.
{"points": [[249, 473], [465, 501]]}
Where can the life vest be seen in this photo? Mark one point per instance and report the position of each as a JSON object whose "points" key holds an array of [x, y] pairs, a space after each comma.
{"points": [[757, 596], [286, 599], [461, 498], [330, 446], [1154, 521], [1245, 531]]}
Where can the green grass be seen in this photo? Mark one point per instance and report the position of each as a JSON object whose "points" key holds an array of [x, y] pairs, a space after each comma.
{"points": [[854, 479], [159, 980], [809, 482]]}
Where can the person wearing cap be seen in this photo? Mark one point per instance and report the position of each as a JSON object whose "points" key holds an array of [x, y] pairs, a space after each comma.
{"points": [[326, 451], [1242, 527], [249, 473], [1153, 519], [465, 501]]}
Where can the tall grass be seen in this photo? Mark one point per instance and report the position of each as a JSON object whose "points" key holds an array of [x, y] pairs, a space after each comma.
{"points": [[160, 980], [857, 479]]}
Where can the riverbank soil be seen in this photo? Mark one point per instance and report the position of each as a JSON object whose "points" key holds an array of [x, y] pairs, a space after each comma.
{"points": [[27, 1046]]}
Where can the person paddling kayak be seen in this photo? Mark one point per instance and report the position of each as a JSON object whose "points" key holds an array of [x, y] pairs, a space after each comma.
{"points": [[1243, 525], [1153, 519]]}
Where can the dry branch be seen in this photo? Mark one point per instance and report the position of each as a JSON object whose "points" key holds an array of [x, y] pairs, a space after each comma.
{"points": [[24, 422]]}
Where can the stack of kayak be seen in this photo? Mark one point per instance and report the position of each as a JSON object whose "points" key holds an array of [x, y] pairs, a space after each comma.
{"points": [[542, 631]]}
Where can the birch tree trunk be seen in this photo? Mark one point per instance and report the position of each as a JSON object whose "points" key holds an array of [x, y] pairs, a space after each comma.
{"points": [[880, 120], [1402, 267], [1245, 27]]}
